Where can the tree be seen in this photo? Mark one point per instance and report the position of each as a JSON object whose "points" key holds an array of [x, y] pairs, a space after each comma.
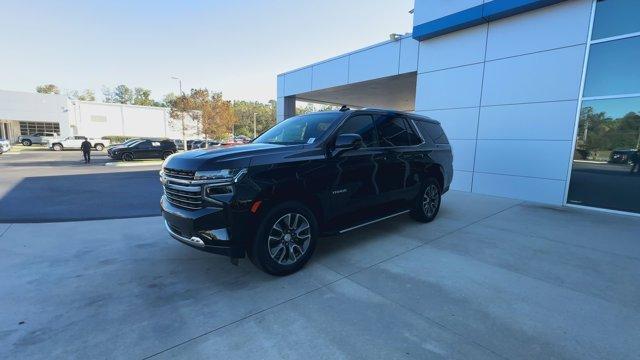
{"points": [[180, 108], [142, 96], [121, 94], [48, 89], [265, 115], [86, 95], [218, 117]]}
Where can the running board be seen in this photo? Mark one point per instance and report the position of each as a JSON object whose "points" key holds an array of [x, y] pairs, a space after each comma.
{"points": [[372, 221]]}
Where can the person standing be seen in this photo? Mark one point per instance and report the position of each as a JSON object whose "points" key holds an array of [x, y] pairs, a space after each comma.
{"points": [[635, 161], [86, 151]]}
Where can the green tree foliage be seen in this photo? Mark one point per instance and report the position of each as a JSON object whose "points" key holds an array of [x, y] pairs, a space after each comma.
{"points": [[244, 110], [48, 89], [597, 131], [142, 96], [86, 95]]}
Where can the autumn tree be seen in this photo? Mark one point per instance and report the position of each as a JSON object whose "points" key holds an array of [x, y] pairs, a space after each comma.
{"points": [[218, 117], [48, 89]]}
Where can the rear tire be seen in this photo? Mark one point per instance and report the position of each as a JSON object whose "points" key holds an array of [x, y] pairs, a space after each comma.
{"points": [[99, 147], [26, 142], [166, 154], [285, 240], [427, 203], [127, 157]]}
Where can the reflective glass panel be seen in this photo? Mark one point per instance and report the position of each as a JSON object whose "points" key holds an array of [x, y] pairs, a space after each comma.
{"points": [[615, 17], [606, 161], [614, 67]]}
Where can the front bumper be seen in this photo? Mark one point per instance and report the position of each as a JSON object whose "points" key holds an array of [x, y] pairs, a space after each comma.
{"points": [[208, 229]]}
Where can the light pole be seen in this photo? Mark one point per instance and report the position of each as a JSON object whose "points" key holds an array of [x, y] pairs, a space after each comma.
{"points": [[184, 133], [255, 135]]}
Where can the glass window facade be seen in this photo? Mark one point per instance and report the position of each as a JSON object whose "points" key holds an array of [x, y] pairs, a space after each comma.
{"points": [[32, 127], [606, 162], [615, 17], [614, 67]]}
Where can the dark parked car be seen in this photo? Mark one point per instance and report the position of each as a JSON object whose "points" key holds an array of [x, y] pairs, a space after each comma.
{"points": [[143, 149], [621, 156], [310, 175]]}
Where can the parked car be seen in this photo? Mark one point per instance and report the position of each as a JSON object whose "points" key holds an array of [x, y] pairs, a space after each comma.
{"points": [[74, 142], [310, 175], [189, 144], [621, 156], [5, 146], [208, 144], [144, 149], [36, 138]]}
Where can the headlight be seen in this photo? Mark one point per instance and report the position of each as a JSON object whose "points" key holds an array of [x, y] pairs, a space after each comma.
{"points": [[222, 175]]}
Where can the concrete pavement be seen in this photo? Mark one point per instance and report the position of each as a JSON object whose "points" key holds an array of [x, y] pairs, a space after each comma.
{"points": [[490, 278]]}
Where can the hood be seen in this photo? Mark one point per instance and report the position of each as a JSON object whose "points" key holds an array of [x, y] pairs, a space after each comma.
{"points": [[224, 158]]}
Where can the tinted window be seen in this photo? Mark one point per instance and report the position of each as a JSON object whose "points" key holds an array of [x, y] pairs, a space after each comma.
{"points": [[615, 17], [392, 131], [613, 68], [362, 125], [433, 131], [143, 144], [414, 139]]}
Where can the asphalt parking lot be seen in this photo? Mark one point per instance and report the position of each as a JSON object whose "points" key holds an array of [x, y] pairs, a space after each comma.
{"points": [[47, 186], [491, 278]]}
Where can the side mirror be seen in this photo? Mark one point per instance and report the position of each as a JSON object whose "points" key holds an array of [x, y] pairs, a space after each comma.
{"points": [[347, 142]]}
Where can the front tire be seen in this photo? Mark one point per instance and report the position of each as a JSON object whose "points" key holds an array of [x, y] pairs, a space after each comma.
{"points": [[127, 157], [99, 147], [166, 154], [57, 147], [26, 142], [285, 240], [428, 201]]}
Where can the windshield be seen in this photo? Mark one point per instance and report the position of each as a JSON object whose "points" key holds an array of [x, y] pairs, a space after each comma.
{"points": [[303, 129]]}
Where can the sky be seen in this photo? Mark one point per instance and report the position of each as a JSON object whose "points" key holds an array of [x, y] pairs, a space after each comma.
{"points": [[234, 46]]}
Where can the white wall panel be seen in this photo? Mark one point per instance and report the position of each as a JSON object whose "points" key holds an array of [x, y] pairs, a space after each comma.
{"points": [[463, 153], [455, 49], [532, 189], [298, 81], [427, 10], [547, 28], [542, 159], [546, 76], [461, 180], [451, 88], [376, 62], [538, 121], [408, 55], [457, 123], [331, 73]]}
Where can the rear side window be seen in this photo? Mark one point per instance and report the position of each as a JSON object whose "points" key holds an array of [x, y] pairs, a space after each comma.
{"points": [[393, 132], [362, 125], [432, 130]]}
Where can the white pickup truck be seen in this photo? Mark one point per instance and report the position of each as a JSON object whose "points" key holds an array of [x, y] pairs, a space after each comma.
{"points": [[74, 142]]}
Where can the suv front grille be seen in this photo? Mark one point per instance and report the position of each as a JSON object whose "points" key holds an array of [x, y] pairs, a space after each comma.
{"points": [[178, 193]]}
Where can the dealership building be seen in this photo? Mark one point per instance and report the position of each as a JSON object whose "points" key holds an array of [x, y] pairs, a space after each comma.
{"points": [[540, 99], [23, 113]]}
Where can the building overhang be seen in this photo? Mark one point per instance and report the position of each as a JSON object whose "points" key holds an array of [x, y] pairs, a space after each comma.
{"points": [[477, 15]]}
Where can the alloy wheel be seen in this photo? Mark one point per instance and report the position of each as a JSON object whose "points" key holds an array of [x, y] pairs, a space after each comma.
{"points": [[430, 200], [289, 238]]}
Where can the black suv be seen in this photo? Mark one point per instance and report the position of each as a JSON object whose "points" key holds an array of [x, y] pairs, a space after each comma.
{"points": [[143, 149], [310, 175]]}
